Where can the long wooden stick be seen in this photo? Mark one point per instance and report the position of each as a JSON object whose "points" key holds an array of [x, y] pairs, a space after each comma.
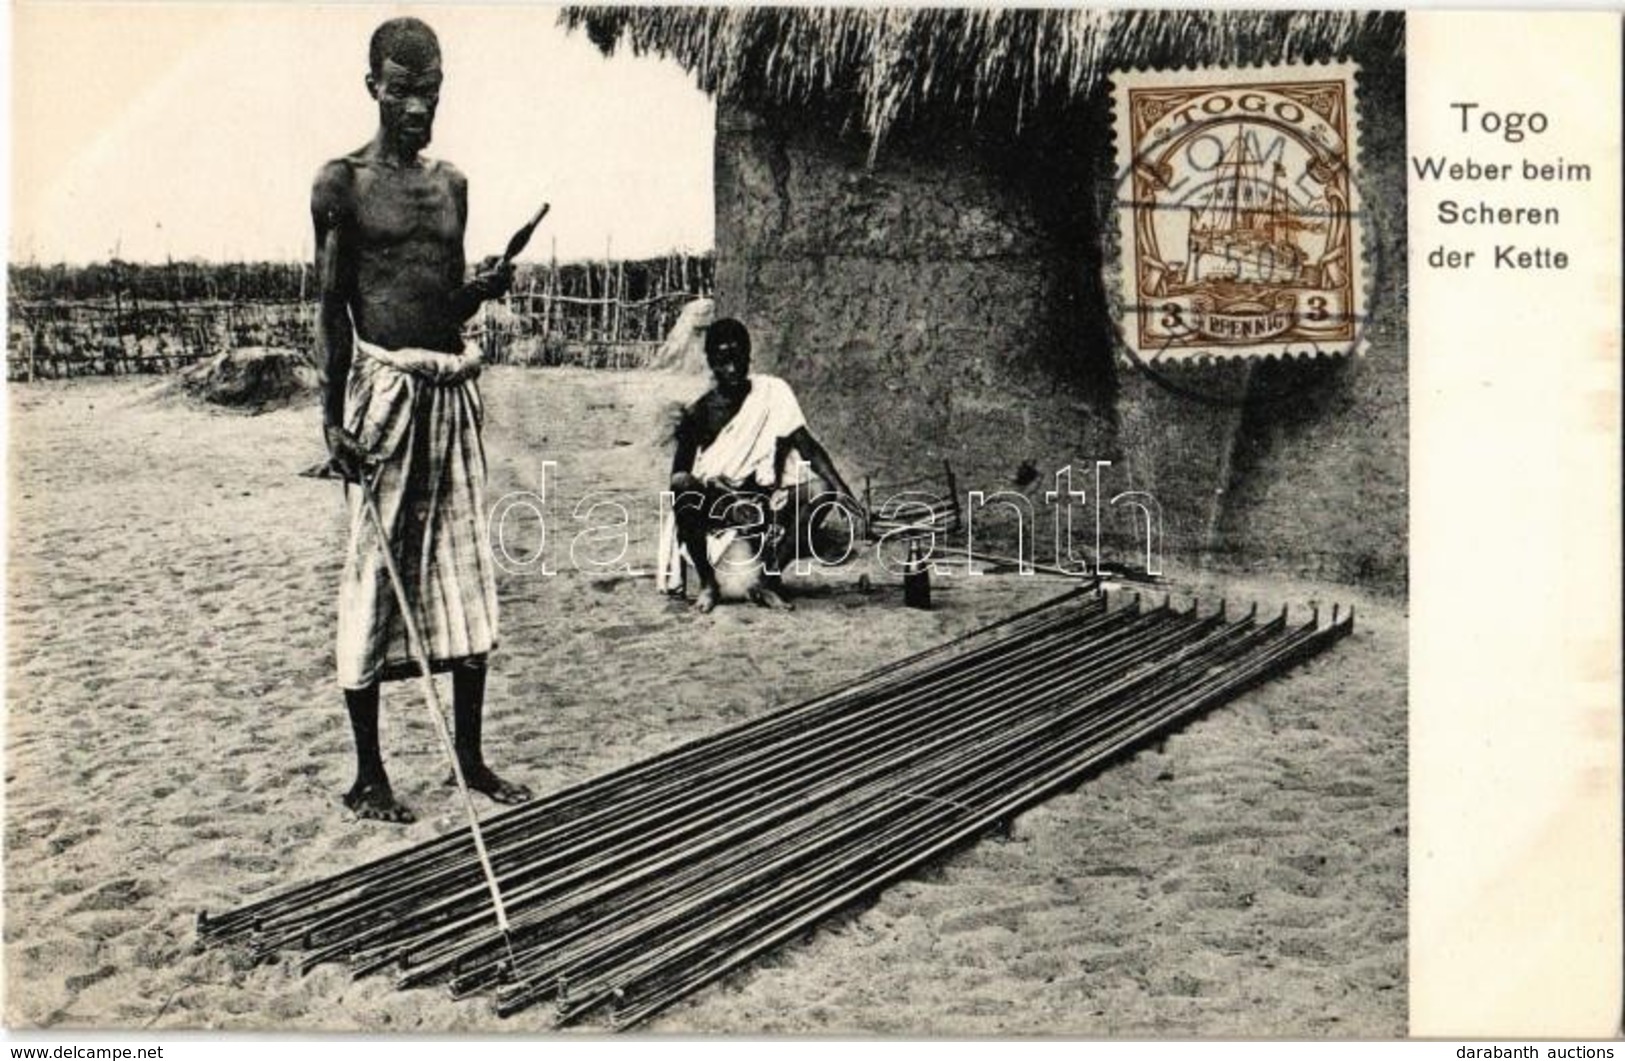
{"points": [[431, 696]]}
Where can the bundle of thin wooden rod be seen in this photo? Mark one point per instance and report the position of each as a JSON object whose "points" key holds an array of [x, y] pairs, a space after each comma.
{"points": [[643, 885]]}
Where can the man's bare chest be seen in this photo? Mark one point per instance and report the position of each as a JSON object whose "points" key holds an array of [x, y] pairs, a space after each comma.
{"points": [[412, 206], [713, 413]]}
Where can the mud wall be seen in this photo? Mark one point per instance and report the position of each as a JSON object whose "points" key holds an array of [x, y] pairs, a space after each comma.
{"points": [[1300, 467], [919, 307], [949, 302]]}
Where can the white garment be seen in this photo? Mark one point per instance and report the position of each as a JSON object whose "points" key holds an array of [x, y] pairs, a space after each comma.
{"points": [[744, 449], [745, 446]]}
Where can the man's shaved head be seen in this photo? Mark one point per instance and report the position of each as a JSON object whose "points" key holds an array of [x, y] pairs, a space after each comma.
{"points": [[408, 41], [727, 337]]}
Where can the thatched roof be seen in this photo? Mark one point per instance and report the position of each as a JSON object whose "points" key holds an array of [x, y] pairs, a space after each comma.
{"points": [[878, 67]]}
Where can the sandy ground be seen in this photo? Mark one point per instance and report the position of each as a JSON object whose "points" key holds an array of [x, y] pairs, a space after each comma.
{"points": [[175, 743]]}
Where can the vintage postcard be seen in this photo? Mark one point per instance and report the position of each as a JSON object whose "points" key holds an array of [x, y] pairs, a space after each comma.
{"points": [[812, 521]]}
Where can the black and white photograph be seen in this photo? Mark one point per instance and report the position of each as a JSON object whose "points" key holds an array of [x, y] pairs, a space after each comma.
{"points": [[726, 521]]}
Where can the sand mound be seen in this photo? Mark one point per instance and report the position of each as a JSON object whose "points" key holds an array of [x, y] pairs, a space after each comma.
{"points": [[253, 378]]}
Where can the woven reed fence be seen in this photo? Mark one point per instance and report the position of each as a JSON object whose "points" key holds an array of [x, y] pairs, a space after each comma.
{"points": [[152, 319]]}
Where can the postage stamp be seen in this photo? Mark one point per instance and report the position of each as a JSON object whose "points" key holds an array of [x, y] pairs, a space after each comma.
{"points": [[1239, 221]]}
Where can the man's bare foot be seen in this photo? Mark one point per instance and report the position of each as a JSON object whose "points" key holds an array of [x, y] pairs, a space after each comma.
{"points": [[373, 801], [765, 597], [485, 780], [707, 600]]}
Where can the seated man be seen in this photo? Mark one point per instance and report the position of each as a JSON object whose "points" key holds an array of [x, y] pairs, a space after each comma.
{"points": [[732, 445]]}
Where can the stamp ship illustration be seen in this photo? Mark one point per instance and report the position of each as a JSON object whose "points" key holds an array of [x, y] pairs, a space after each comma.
{"points": [[1244, 233]]}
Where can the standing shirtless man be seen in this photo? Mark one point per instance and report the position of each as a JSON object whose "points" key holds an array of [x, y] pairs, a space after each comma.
{"points": [[402, 412]]}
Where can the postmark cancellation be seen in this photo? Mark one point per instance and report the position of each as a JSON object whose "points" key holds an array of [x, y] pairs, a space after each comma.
{"points": [[1239, 221]]}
